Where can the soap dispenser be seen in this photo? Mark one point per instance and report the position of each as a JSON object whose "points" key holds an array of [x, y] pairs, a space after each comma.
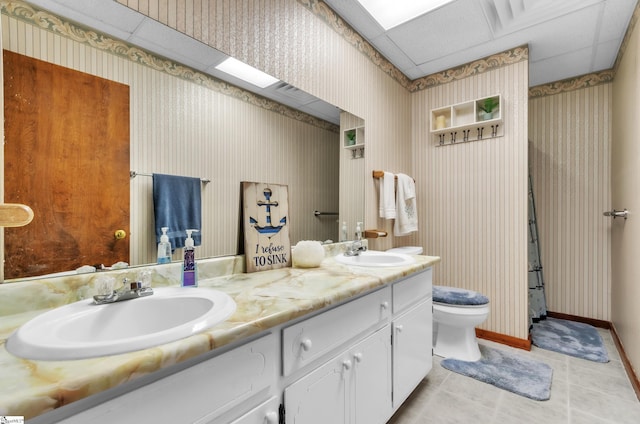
{"points": [[164, 248], [189, 269]]}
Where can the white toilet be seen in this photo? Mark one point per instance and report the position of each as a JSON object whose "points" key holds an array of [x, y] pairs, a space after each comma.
{"points": [[456, 313], [407, 250]]}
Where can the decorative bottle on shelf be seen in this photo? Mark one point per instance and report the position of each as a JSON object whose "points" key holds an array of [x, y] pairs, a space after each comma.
{"points": [[189, 267]]}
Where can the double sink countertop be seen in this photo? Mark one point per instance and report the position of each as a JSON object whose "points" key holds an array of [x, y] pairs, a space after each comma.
{"points": [[264, 300]]}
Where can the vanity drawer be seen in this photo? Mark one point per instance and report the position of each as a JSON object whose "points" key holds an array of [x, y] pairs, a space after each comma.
{"points": [[196, 394], [411, 290], [310, 339]]}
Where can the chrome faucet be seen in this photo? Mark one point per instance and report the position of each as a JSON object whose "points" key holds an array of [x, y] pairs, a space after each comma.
{"points": [[129, 290], [355, 248]]}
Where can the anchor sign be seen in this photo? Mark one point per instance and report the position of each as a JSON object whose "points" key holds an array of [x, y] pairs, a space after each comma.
{"points": [[269, 230]]}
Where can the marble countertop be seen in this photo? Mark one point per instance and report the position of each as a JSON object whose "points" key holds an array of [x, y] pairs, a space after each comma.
{"points": [[264, 300]]}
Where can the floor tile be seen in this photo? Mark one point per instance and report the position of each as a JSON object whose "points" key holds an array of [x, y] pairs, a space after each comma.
{"points": [[582, 392]]}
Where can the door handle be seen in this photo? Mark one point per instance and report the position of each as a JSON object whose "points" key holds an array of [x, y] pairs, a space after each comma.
{"points": [[617, 214]]}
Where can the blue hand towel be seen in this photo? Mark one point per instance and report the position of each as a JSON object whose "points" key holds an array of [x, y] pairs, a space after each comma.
{"points": [[177, 205]]}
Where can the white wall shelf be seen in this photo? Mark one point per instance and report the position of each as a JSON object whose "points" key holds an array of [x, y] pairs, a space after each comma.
{"points": [[353, 139], [468, 121]]}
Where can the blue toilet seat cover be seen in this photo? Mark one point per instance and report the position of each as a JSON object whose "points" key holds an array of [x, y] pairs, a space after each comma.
{"points": [[456, 296]]}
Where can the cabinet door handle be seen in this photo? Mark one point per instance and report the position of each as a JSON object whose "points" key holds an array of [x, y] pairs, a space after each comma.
{"points": [[306, 344], [346, 364], [384, 305], [357, 357], [399, 328], [271, 417]]}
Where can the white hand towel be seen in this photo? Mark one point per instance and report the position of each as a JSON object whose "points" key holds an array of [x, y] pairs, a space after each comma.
{"points": [[387, 207], [407, 215]]}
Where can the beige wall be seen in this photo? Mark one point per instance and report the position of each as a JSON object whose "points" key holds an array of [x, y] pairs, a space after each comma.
{"points": [[473, 197], [570, 159], [625, 193], [185, 128]]}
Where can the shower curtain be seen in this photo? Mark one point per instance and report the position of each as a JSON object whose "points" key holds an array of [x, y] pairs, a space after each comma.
{"points": [[537, 301]]}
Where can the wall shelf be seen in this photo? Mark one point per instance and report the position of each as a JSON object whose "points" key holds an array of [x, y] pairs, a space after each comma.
{"points": [[353, 139], [464, 122]]}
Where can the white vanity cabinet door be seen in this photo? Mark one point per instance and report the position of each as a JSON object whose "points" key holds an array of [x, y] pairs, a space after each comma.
{"points": [[320, 397], [266, 413], [352, 388], [412, 350], [371, 378]]}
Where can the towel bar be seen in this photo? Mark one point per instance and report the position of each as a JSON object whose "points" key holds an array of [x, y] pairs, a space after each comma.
{"points": [[318, 213], [133, 174]]}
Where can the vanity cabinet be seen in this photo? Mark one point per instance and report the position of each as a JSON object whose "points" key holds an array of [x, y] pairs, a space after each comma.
{"points": [[412, 355], [412, 331], [354, 363], [199, 393], [376, 371], [353, 387]]}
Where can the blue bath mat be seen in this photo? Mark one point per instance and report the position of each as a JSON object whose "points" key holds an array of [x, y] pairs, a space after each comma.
{"points": [[508, 371], [571, 338]]}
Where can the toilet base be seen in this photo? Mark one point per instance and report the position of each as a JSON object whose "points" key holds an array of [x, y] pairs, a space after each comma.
{"points": [[456, 342]]}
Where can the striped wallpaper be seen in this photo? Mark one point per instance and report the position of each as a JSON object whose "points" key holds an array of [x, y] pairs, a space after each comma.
{"points": [[473, 204], [570, 159]]}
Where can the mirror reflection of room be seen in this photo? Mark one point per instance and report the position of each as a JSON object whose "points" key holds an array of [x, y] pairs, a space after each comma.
{"points": [[206, 128]]}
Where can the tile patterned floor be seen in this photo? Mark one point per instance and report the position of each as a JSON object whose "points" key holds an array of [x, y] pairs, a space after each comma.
{"points": [[582, 392]]}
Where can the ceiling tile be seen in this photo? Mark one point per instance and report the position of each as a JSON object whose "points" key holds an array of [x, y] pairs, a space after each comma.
{"points": [[106, 16], [560, 67], [605, 54], [514, 15], [615, 19], [453, 27], [391, 51], [175, 45], [562, 35]]}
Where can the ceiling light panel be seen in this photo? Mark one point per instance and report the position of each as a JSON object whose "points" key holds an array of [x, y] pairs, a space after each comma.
{"points": [[393, 13], [246, 73]]}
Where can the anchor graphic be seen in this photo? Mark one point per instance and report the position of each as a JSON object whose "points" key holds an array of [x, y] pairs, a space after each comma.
{"points": [[268, 229]]}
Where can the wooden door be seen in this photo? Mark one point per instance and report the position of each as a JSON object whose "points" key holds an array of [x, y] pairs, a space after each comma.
{"points": [[67, 157]]}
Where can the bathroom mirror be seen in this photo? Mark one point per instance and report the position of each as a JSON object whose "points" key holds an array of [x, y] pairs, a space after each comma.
{"points": [[304, 160]]}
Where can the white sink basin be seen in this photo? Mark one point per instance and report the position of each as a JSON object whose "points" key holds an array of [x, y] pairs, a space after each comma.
{"points": [[84, 330], [372, 258]]}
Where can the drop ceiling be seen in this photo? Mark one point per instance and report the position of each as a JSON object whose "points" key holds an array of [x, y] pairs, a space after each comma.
{"points": [[566, 38]]}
